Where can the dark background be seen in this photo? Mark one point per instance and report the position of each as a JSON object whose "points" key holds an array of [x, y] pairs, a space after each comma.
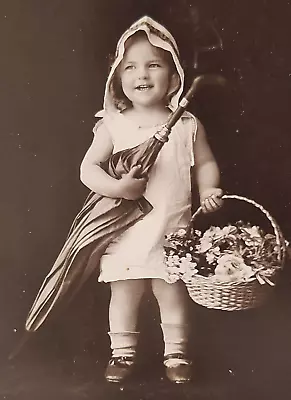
{"points": [[54, 63]]}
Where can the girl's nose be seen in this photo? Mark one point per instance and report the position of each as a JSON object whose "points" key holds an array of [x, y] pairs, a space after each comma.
{"points": [[143, 72]]}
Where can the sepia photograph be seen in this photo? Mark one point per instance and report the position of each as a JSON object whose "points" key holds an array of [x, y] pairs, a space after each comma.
{"points": [[146, 199]]}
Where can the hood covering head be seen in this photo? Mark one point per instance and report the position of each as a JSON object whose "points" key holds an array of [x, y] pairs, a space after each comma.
{"points": [[158, 36]]}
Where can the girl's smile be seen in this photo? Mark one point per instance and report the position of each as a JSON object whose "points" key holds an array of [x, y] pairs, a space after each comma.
{"points": [[144, 87]]}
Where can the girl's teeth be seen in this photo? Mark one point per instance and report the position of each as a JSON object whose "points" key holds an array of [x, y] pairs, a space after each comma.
{"points": [[143, 87]]}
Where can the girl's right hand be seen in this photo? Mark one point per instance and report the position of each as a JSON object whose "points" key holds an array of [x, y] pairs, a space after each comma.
{"points": [[132, 188]]}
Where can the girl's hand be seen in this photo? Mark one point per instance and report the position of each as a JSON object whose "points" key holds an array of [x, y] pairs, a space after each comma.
{"points": [[132, 188], [211, 199]]}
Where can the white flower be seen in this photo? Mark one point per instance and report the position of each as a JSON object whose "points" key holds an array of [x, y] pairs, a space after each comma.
{"points": [[192, 266], [215, 232], [173, 270], [188, 276], [231, 267], [173, 278], [216, 250], [228, 230], [183, 267], [212, 233], [205, 245], [252, 231], [170, 263], [210, 258], [175, 260], [251, 235]]}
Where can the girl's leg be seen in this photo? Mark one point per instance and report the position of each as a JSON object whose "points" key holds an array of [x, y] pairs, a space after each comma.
{"points": [[125, 299], [172, 303], [123, 312]]}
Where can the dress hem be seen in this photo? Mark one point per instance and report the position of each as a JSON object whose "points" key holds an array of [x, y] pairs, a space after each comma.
{"points": [[132, 278]]}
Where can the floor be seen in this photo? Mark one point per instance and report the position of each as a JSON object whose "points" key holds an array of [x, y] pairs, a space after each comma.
{"points": [[237, 355]]}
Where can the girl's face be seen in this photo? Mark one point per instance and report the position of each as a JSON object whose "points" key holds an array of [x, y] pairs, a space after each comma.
{"points": [[145, 74]]}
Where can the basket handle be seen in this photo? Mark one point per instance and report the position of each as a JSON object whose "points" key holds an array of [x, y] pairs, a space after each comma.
{"points": [[280, 241]]}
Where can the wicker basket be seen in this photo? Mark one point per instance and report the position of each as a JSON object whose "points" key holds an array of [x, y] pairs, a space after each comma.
{"points": [[232, 296]]}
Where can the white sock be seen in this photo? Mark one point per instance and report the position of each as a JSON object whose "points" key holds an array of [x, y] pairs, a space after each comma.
{"points": [[175, 338], [123, 344]]}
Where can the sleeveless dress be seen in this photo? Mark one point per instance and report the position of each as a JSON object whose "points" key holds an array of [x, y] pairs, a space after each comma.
{"points": [[138, 252]]}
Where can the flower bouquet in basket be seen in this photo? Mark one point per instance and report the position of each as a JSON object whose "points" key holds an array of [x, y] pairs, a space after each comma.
{"points": [[230, 267]]}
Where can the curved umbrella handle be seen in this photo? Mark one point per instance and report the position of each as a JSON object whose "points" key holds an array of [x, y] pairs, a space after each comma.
{"points": [[200, 80]]}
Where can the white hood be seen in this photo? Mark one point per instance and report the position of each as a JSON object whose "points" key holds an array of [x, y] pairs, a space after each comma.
{"points": [[158, 36]]}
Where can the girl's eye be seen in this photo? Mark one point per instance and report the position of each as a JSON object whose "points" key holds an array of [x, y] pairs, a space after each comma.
{"points": [[129, 67], [155, 65]]}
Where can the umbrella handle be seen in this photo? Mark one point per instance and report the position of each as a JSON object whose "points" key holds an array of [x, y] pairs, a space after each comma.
{"points": [[197, 82]]}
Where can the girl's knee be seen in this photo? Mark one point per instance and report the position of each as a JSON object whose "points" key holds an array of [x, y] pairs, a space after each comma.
{"points": [[162, 289], [128, 289], [159, 285], [171, 301]]}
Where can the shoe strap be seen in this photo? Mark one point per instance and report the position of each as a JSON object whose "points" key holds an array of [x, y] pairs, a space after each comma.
{"points": [[172, 360], [124, 360]]}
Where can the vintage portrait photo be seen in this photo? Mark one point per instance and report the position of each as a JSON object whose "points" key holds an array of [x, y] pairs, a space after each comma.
{"points": [[146, 202]]}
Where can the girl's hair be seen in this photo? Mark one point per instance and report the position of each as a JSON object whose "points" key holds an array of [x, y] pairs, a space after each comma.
{"points": [[120, 100]]}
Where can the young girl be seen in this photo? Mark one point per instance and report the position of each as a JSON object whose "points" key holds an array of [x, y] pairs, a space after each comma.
{"points": [[144, 85]]}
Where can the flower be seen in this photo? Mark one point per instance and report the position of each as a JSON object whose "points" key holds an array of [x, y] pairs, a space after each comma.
{"points": [[180, 255], [231, 267], [251, 235], [181, 232], [210, 258], [205, 244]]}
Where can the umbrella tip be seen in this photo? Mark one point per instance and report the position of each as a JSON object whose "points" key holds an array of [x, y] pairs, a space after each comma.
{"points": [[19, 345]]}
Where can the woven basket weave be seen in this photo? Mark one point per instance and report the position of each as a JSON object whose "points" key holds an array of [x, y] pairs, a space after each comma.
{"points": [[231, 296]]}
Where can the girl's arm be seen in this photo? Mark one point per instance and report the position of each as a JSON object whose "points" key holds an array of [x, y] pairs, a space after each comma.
{"points": [[207, 173], [97, 180]]}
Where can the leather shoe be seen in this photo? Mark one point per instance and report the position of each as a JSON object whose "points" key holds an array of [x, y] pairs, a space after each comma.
{"points": [[178, 368], [118, 369]]}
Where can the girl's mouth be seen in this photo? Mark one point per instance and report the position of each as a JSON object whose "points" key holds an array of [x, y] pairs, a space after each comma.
{"points": [[143, 87]]}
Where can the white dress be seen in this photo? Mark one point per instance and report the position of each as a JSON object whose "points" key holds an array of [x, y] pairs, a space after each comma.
{"points": [[138, 252]]}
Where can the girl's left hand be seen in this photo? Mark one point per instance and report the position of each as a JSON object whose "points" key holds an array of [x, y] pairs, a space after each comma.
{"points": [[211, 199]]}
